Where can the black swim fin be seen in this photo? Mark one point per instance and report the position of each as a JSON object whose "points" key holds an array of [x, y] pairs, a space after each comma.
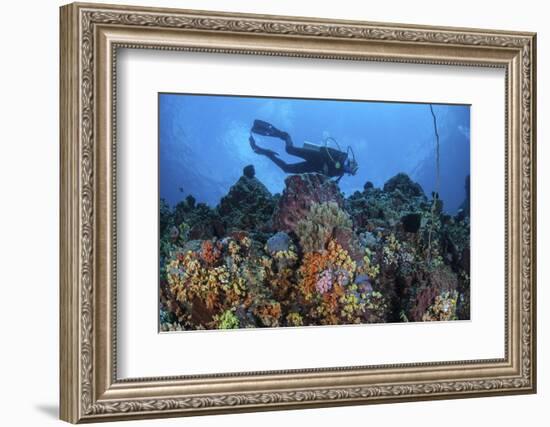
{"points": [[266, 129]]}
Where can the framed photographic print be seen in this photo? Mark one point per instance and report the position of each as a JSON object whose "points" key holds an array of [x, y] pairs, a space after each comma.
{"points": [[267, 212]]}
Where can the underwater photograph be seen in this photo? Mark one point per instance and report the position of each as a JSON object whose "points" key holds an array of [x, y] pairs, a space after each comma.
{"points": [[291, 212]]}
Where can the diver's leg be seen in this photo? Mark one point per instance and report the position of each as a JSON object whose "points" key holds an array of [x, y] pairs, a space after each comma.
{"points": [[301, 167], [285, 136], [304, 153]]}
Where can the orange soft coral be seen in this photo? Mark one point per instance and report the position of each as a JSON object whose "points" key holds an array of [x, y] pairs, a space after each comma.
{"points": [[210, 253], [315, 263], [269, 313]]}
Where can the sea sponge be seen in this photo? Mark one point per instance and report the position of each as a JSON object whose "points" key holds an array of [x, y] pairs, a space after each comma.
{"points": [[278, 242], [315, 230]]}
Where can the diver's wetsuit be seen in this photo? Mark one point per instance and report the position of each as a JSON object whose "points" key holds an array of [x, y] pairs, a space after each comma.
{"points": [[325, 160]]}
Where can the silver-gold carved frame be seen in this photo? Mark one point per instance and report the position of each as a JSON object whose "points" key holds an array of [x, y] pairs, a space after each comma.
{"points": [[90, 37]]}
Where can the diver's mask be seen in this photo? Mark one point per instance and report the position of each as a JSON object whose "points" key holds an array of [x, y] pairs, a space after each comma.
{"points": [[351, 167]]}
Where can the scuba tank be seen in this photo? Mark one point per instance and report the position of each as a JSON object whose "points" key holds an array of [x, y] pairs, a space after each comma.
{"points": [[336, 155], [341, 158]]}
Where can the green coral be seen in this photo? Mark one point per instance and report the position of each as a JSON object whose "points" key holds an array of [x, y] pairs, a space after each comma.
{"points": [[227, 320], [315, 230]]}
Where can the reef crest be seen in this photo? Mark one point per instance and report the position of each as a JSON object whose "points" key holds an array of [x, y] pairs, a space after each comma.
{"points": [[312, 257]]}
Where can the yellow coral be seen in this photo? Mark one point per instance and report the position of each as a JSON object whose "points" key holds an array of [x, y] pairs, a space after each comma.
{"points": [[443, 308], [289, 255], [294, 319], [391, 250], [193, 276], [340, 257], [234, 248], [315, 230], [369, 268], [210, 288], [352, 307]]}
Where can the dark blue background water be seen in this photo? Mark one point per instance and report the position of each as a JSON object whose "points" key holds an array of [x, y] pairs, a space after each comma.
{"points": [[204, 142]]}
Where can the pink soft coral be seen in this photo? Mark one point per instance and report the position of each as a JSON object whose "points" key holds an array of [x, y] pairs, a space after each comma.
{"points": [[324, 284]]}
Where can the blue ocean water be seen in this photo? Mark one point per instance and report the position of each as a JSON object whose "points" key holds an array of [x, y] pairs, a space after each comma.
{"points": [[204, 146]]}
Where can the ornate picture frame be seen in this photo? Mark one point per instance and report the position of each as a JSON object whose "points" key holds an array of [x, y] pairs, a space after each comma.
{"points": [[91, 36]]}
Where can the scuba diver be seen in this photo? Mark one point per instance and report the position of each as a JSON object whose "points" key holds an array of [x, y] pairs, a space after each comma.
{"points": [[321, 159]]}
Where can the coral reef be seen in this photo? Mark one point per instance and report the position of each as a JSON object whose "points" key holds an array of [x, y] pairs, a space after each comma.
{"points": [[301, 191], [312, 257]]}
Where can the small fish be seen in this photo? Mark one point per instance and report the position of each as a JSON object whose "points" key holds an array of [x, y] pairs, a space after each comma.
{"points": [[181, 189]]}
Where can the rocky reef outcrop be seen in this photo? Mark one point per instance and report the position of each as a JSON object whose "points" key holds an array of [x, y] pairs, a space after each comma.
{"points": [[247, 206], [404, 184], [313, 257]]}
